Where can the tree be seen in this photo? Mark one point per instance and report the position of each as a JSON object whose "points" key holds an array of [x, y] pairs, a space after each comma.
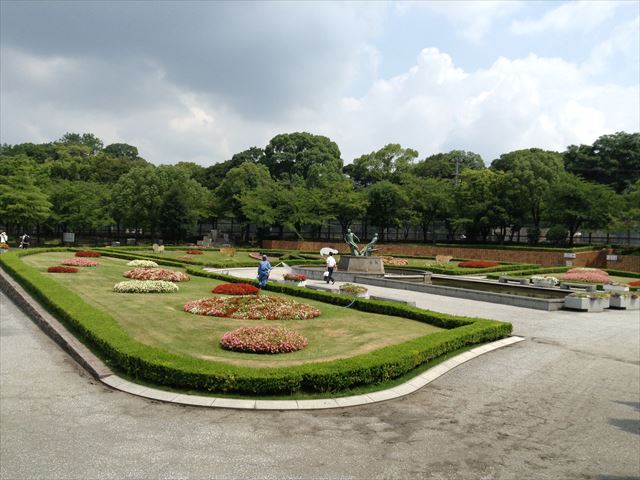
{"points": [[295, 153], [387, 203], [448, 165], [22, 203], [89, 140], [345, 204], [389, 163], [576, 203], [612, 160], [627, 216], [431, 199], [137, 197], [121, 150], [215, 173], [176, 218], [79, 206]]}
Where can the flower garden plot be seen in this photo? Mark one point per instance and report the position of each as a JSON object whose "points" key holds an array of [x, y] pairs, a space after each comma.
{"points": [[61, 269], [142, 264], [157, 274], [87, 254], [145, 286], [79, 262], [252, 308], [269, 339], [236, 289]]}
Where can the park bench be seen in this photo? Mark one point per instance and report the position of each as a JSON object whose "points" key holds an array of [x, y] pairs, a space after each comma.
{"points": [[578, 286], [521, 281]]}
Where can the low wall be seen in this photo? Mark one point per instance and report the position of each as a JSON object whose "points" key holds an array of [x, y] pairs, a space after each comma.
{"points": [[595, 259]]}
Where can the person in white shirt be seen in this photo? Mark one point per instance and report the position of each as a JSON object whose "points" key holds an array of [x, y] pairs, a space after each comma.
{"points": [[331, 264]]}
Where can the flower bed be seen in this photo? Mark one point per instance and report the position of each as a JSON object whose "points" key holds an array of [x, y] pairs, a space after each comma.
{"points": [[398, 262], [635, 283], [79, 262], [252, 308], [267, 339], [294, 277], [87, 254], [588, 275], [4, 246], [236, 289], [61, 269], [195, 252], [352, 289], [478, 264], [142, 264], [157, 274], [145, 286]]}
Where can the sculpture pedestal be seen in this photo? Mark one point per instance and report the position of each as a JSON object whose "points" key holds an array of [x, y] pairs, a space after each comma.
{"points": [[350, 263]]}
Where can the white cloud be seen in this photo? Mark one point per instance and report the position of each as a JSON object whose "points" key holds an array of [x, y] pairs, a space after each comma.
{"points": [[584, 15], [619, 51]]}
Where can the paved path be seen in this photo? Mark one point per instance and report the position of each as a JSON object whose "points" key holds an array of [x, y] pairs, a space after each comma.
{"points": [[563, 404]]}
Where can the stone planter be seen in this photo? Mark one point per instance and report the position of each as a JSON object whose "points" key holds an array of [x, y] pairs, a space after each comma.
{"points": [[544, 283], [624, 302], [615, 288], [586, 304], [296, 283]]}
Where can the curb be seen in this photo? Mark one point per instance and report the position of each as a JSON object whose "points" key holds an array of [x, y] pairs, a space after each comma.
{"points": [[96, 367]]}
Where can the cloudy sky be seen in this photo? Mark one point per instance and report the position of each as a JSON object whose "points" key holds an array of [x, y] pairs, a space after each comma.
{"points": [[200, 81]]}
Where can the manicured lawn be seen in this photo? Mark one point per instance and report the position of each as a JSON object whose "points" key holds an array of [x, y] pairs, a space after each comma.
{"points": [[210, 256], [158, 319]]}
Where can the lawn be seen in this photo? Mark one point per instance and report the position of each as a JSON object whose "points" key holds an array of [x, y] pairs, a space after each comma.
{"points": [[158, 319]]}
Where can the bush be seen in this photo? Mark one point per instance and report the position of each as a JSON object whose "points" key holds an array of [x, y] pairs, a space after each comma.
{"points": [[60, 269], [268, 339], [87, 254], [157, 274], [236, 289], [478, 264], [145, 286], [252, 308], [557, 235]]}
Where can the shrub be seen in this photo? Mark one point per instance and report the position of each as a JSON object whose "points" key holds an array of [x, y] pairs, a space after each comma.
{"points": [[478, 264], [60, 269], [157, 274], [145, 286], [195, 252], [236, 289], [142, 264], [588, 275], [87, 254], [252, 308], [351, 288], [294, 277], [267, 339], [79, 262], [557, 235]]}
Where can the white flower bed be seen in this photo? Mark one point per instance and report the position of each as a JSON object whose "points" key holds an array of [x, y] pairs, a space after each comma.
{"points": [[145, 286], [142, 264]]}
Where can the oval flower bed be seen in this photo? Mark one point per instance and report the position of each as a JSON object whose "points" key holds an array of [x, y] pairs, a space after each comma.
{"points": [[294, 277], [394, 261], [142, 264], [252, 308], [478, 264], [79, 262], [635, 283], [352, 289], [157, 274], [588, 275], [236, 289], [267, 339], [145, 286], [61, 269], [87, 254], [195, 252]]}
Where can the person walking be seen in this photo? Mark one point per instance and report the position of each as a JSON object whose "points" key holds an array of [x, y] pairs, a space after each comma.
{"points": [[4, 237], [264, 269], [331, 264], [24, 241]]}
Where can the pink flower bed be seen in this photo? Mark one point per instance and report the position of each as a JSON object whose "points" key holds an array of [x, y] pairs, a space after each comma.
{"points": [[61, 269], [157, 274], [588, 275], [394, 261], [79, 262], [87, 254], [294, 277], [268, 339], [252, 308]]}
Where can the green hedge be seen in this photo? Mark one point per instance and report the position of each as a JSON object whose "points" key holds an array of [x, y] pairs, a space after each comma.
{"points": [[104, 335], [503, 267], [521, 247]]}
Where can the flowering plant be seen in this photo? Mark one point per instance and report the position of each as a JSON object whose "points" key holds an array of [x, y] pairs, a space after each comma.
{"points": [[252, 308], [394, 261], [61, 269], [588, 275], [295, 277], [545, 279], [142, 264], [635, 283], [195, 252], [79, 262], [478, 264], [4, 246], [87, 254], [267, 339], [590, 295], [351, 288], [157, 274], [236, 289], [145, 286]]}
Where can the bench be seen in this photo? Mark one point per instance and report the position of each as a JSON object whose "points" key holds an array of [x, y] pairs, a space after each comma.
{"points": [[521, 281], [580, 286]]}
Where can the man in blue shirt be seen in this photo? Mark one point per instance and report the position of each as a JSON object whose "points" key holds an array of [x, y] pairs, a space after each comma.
{"points": [[264, 269]]}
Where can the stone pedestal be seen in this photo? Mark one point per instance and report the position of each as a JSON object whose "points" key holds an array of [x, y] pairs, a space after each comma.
{"points": [[349, 263]]}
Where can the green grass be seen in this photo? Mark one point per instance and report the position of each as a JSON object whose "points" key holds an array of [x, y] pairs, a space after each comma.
{"points": [[157, 320]]}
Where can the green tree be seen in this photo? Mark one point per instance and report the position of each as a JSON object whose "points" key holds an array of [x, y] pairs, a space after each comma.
{"points": [[89, 140], [389, 163], [627, 215], [121, 150], [387, 205], [448, 165], [79, 206], [215, 173], [22, 203], [431, 198]]}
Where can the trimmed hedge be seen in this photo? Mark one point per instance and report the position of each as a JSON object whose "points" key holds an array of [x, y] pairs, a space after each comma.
{"points": [[105, 336], [503, 267]]}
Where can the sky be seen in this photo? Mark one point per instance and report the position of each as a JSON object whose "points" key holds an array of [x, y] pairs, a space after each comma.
{"points": [[200, 81]]}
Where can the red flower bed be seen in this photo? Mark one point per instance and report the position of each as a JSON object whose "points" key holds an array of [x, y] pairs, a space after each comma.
{"points": [[157, 274], [294, 277], [60, 269], [236, 289], [478, 264], [635, 283], [87, 254], [252, 308], [268, 339], [195, 252]]}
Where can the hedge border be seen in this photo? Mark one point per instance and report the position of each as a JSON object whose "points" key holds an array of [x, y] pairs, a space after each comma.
{"points": [[104, 335]]}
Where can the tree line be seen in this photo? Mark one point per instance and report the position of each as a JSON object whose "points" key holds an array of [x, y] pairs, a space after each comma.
{"points": [[299, 180]]}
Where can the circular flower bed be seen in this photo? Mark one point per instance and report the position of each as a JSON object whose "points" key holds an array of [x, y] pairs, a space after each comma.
{"points": [[352, 289], [588, 275], [394, 261], [145, 286], [294, 277], [195, 252], [87, 254], [142, 264], [268, 339], [236, 289], [478, 264], [157, 274], [79, 262], [60, 269], [252, 308]]}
